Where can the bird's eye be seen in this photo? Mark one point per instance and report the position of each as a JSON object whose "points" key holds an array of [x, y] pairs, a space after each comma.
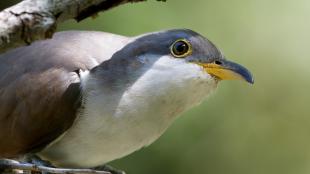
{"points": [[181, 48]]}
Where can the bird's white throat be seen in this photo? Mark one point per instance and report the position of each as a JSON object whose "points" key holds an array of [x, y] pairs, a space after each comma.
{"points": [[112, 124]]}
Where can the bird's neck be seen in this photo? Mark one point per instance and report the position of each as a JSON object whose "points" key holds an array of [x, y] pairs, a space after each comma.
{"points": [[149, 97], [150, 94]]}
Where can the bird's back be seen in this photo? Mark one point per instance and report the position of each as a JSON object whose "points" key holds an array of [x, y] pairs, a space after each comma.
{"points": [[40, 90]]}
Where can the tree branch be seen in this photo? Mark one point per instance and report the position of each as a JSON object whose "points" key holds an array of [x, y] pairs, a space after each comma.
{"points": [[15, 165], [32, 20]]}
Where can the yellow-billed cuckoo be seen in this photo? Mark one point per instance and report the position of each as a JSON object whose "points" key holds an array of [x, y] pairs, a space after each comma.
{"points": [[85, 98]]}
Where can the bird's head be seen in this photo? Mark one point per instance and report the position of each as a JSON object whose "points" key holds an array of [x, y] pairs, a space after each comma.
{"points": [[179, 49], [188, 48], [178, 61]]}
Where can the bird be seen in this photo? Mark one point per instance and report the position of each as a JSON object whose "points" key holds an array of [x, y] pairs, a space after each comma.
{"points": [[85, 98]]}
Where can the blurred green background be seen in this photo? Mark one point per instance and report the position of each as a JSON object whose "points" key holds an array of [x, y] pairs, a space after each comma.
{"points": [[241, 129]]}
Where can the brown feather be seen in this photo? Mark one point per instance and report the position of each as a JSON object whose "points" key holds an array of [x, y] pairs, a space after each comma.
{"points": [[40, 91]]}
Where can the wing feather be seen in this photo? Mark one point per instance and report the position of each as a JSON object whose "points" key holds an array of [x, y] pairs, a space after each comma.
{"points": [[40, 89]]}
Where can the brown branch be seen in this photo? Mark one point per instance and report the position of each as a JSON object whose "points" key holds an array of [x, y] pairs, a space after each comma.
{"points": [[32, 20], [103, 6]]}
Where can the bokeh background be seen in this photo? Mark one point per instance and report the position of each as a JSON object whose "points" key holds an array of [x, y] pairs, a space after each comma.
{"points": [[241, 129]]}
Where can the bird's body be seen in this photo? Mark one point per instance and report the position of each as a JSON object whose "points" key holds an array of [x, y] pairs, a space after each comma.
{"points": [[117, 123], [83, 99]]}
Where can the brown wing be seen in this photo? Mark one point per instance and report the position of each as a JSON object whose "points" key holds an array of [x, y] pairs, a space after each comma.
{"points": [[39, 90], [35, 109]]}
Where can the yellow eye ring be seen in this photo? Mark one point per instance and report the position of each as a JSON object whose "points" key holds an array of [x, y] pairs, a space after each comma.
{"points": [[181, 48]]}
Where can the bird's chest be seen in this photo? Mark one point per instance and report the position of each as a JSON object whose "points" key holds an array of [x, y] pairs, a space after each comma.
{"points": [[112, 126], [126, 125]]}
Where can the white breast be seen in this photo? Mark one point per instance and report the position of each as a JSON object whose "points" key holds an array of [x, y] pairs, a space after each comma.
{"points": [[114, 124]]}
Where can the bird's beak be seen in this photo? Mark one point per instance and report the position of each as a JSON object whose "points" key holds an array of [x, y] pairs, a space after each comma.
{"points": [[227, 70]]}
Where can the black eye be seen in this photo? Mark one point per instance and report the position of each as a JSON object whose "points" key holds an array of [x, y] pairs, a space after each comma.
{"points": [[181, 48]]}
